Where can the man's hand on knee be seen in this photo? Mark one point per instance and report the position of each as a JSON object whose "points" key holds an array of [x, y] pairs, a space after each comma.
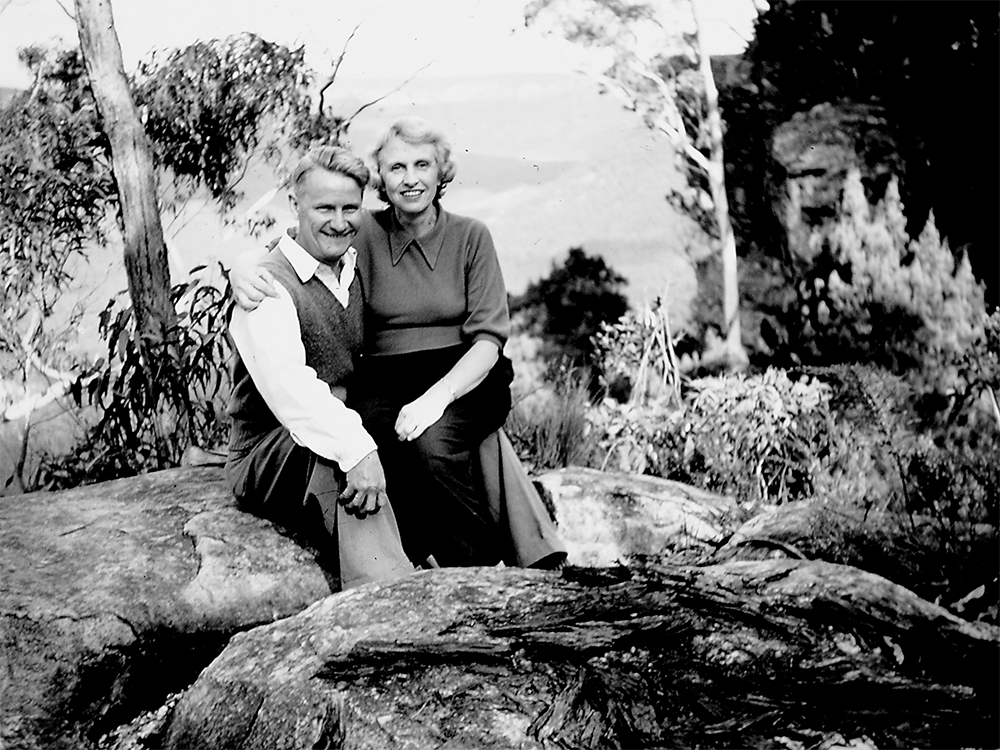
{"points": [[365, 490]]}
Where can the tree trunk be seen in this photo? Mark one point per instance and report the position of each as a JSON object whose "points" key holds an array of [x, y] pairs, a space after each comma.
{"points": [[132, 164], [716, 170]]}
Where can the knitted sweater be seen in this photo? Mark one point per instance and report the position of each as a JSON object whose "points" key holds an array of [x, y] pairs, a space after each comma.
{"points": [[331, 335]]}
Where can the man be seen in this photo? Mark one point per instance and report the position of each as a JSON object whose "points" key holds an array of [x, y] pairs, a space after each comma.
{"points": [[297, 454]]}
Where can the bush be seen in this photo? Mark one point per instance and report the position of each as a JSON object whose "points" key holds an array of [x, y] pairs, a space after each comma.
{"points": [[548, 426], [878, 297], [567, 308], [755, 437], [148, 417]]}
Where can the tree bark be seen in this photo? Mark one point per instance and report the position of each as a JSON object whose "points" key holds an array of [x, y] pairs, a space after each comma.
{"points": [[716, 169], [132, 164]]}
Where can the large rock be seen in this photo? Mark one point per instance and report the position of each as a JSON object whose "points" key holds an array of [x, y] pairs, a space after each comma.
{"points": [[606, 517], [112, 595], [115, 594], [746, 654]]}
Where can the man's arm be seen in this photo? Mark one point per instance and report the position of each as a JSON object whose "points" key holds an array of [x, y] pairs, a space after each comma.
{"points": [[269, 341], [251, 282]]}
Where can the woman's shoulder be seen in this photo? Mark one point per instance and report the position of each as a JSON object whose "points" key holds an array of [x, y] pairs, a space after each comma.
{"points": [[468, 225]]}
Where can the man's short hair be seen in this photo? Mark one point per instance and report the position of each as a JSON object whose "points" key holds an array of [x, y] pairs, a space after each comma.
{"points": [[332, 159]]}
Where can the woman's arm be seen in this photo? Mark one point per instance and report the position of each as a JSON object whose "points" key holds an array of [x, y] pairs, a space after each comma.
{"points": [[467, 373]]}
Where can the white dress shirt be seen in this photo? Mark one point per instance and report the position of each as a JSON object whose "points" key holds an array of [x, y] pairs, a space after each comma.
{"points": [[270, 343]]}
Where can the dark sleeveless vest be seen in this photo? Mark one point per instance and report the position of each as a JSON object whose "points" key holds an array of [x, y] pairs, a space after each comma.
{"points": [[331, 334]]}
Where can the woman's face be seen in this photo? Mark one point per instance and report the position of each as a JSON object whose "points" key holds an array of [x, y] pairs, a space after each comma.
{"points": [[410, 174]]}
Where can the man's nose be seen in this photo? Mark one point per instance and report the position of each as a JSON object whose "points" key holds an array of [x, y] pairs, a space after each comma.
{"points": [[337, 221]]}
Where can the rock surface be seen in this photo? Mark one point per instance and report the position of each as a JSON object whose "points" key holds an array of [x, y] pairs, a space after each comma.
{"points": [[735, 655], [114, 594], [812, 154], [117, 594], [606, 517]]}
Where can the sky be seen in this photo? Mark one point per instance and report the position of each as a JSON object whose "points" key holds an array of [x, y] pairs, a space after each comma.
{"points": [[544, 159], [396, 38]]}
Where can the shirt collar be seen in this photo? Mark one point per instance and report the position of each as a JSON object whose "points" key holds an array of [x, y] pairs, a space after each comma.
{"points": [[429, 246], [305, 265]]}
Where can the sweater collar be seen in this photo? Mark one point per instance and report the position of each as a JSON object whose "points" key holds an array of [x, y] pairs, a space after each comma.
{"points": [[429, 246]]}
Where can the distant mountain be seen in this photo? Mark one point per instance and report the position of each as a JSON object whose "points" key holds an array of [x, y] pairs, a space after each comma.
{"points": [[545, 161]]}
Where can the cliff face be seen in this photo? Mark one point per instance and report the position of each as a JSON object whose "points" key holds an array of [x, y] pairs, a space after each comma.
{"points": [[812, 153]]}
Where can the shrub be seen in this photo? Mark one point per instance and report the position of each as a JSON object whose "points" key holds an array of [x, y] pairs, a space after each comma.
{"points": [[635, 356], [568, 307], [885, 299], [548, 426], [148, 417], [756, 437]]}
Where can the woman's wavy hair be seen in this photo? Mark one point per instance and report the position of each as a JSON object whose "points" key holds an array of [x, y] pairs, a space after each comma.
{"points": [[415, 131]]}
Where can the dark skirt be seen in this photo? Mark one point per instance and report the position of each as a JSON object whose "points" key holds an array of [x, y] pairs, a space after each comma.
{"points": [[434, 482]]}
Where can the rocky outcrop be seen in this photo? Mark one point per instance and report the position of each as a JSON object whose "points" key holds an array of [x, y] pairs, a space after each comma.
{"points": [[114, 594], [606, 517], [812, 154], [744, 654]]}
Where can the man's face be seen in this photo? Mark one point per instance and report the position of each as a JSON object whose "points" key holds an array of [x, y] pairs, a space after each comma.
{"points": [[410, 174], [328, 205]]}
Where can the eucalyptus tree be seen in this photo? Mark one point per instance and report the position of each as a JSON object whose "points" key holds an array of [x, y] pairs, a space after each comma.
{"points": [[652, 58]]}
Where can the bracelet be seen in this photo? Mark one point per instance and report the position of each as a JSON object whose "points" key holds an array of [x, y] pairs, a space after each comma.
{"points": [[450, 387]]}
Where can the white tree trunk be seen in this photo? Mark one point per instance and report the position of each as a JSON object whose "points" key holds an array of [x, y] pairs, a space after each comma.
{"points": [[735, 352]]}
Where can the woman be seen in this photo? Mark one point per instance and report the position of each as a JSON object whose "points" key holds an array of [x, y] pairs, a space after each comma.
{"points": [[433, 381]]}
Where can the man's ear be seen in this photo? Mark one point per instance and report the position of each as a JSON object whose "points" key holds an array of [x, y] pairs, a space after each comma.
{"points": [[293, 203]]}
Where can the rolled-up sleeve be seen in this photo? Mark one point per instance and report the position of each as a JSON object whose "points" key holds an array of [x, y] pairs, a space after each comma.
{"points": [[489, 316], [269, 341]]}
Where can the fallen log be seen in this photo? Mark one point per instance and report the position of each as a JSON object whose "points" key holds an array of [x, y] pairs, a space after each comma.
{"points": [[741, 654]]}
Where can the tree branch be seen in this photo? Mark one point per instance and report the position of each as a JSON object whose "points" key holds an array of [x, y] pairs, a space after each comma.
{"points": [[363, 107], [336, 68]]}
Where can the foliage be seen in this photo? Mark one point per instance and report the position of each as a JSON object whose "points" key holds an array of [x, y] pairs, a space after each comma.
{"points": [[638, 345], [885, 299], [568, 307], [548, 427], [210, 107], [55, 187], [652, 58], [755, 437], [805, 54], [151, 412]]}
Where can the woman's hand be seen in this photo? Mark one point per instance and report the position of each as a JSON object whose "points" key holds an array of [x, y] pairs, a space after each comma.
{"points": [[251, 282], [418, 415]]}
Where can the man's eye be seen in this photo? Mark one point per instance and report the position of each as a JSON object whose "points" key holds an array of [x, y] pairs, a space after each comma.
{"points": [[396, 168]]}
